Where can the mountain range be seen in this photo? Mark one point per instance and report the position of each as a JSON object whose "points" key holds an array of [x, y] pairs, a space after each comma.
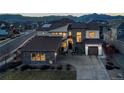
{"points": [[84, 18]]}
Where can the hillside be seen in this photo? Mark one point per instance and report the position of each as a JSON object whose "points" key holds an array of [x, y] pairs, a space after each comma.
{"points": [[83, 18]]}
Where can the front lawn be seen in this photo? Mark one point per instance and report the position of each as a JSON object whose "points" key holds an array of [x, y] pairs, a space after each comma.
{"points": [[38, 75]]}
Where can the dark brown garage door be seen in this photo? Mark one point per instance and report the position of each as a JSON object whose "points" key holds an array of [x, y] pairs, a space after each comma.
{"points": [[92, 50]]}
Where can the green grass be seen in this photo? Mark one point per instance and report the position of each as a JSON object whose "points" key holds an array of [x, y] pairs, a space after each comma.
{"points": [[38, 75]]}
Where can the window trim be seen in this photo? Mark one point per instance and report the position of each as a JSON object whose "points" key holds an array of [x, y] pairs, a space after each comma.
{"points": [[40, 57]]}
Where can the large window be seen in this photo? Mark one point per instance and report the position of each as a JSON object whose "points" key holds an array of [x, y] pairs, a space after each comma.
{"points": [[92, 34], [38, 57], [79, 38]]}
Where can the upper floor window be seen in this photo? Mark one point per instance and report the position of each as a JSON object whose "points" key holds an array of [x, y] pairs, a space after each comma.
{"points": [[79, 38], [92, 34]]}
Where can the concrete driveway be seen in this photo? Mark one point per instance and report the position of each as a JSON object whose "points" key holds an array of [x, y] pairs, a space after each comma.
{"points": [[88, 67]]}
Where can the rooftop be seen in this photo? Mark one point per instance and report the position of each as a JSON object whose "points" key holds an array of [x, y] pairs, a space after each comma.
{"points": [[43, 43], [60, 29], [89, 26], [93, 26], [78, 25], [55, 24]]}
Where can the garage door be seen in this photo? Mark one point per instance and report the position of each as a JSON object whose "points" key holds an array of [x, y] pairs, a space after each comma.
{"points": [[92, 50]]}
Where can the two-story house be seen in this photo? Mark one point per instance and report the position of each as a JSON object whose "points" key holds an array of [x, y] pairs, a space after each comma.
{"points": [[93, 42], [118, 37]]}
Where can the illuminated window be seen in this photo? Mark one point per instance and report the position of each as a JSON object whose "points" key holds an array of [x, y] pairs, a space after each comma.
{"points": [[38, 57], [78, 36], [64, 34], [64, 44], [70, 33], [91, 34], [70, 40], [56, 33], [53, 33], [60, 34]]}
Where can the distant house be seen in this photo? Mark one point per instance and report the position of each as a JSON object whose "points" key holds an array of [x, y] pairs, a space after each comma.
{"points": [[41, 50], [3, 33], [4, 24]]}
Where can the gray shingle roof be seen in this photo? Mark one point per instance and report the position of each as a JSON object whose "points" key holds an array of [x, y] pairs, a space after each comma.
{"points": [[88, 26], [43, 43], [93, 26], [78, 25], [60, 29]]}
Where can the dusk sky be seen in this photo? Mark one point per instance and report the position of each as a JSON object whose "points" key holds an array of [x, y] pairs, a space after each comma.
{"points": [[61, 14]]}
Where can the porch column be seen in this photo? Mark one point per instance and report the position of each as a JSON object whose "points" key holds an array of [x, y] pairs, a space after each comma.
{"points": [[100, 50], [86, 50]]}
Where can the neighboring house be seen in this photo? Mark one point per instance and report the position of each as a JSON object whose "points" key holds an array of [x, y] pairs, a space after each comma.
{"points": [[41, 50], [116, 32], [120, 31], [59, 30], [3, 33], [93, 41], [118, 37]]}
